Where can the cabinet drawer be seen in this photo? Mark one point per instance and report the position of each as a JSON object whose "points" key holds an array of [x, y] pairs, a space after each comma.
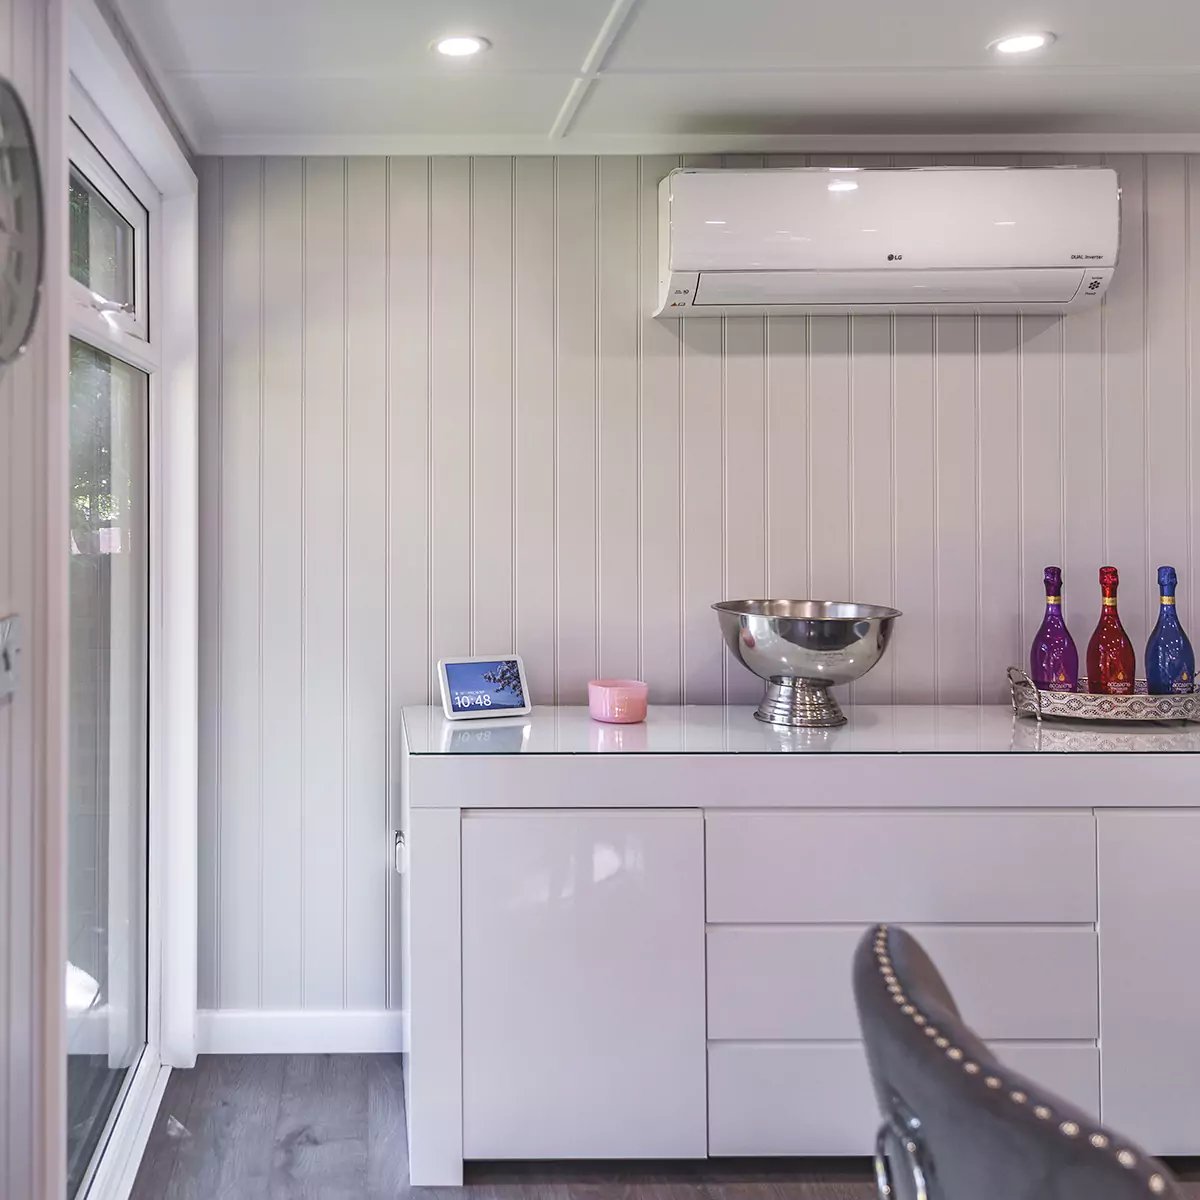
{"points": [[780, 1099], [956, 867], [793, 982]]}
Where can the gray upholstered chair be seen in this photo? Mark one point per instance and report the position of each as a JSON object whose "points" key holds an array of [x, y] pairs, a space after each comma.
{"points": [[957, 1123]]}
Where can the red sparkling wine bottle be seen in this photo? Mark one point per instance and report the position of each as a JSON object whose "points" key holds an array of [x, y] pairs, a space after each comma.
{"points": [[1110, 661]]}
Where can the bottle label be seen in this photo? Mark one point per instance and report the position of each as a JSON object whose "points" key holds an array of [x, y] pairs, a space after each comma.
{"points": [[1109, 601], [1181, 687], [1168, 599], [1053, 599], [1120, 687]]}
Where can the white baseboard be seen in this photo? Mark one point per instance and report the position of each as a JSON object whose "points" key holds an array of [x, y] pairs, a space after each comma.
{"points": [[301, 1031]]}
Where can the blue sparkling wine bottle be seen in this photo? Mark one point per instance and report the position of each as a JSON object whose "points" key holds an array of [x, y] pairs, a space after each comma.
{"points": [[1170, 662]]}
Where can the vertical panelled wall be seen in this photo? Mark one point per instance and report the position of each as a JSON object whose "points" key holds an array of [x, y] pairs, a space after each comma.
{"points": [[33, 558], [438, 420]]}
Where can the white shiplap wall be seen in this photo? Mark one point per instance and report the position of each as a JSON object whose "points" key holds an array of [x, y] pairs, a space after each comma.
{"points": [[437, 420], [33, 559]]}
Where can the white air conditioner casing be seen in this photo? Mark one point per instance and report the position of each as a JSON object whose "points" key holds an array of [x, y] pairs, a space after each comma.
{"points": [[885, 240]]}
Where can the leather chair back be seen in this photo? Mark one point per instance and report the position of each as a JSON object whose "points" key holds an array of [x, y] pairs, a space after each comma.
{"points": [[957, 1123]]}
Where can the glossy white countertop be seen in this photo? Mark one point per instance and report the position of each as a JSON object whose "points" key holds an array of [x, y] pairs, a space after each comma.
{"points": [[733, 730]]}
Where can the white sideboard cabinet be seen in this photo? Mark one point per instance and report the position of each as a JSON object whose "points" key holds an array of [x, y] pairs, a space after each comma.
{"points": [[635, 942]]}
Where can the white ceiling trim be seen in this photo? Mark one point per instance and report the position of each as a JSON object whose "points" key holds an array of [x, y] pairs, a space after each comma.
{"points": [[101, 66], [593, 63], [179, 113], [859, 143], [1016, 70]]}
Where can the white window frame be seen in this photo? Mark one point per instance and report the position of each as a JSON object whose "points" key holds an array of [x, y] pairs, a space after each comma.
{"points": [[96, 151], [128, 132], [115, 175], [94, 148]]}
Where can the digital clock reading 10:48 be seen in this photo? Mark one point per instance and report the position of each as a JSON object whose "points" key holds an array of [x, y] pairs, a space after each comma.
{"points": [[493, 685]]}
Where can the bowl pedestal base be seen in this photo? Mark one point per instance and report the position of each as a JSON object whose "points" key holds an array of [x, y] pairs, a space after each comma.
{"points": [[799, 702]]}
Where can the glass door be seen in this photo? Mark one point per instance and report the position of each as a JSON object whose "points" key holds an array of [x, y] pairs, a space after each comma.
{"points": [[106, 984]]}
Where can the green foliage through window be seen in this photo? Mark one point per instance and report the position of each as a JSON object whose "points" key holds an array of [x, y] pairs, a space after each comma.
{"points": [[101, 243], [99, 384]]}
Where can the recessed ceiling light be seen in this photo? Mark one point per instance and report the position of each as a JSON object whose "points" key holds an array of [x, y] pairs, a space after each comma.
{"points": [[843, 185], [714, 222], [1021, 43], [460, 46]]}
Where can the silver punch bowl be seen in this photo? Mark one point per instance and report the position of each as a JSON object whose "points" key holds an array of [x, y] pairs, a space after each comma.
{"points": [[802, 648]]}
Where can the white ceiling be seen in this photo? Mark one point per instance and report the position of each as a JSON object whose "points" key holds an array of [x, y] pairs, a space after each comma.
{"points": [[357, 76]]}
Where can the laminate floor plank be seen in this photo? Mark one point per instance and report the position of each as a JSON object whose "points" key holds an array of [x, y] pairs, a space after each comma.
{"points": [[226, 1154], [387, 1135], [331, 1127], [713, 1179], [320, 1150], [170, 1128]]}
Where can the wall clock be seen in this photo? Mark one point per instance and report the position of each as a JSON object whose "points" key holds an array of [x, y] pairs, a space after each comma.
{"points": [[22, 241]]}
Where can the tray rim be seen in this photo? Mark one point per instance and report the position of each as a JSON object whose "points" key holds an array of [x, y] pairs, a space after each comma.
{"points": [[1028, 700]]}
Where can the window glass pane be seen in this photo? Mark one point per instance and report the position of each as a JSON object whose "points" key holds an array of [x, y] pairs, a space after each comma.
{"points": [[107, 819], [101, 243]]}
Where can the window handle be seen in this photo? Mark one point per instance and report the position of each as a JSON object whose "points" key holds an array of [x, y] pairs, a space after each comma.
{"points": [[101, 305]]}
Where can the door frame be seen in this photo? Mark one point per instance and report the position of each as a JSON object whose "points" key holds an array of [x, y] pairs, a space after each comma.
{"points": [[110, 101]]}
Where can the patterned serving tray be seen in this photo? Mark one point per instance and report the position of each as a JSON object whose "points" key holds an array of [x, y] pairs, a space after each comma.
{"points": [[1102, 737], [1028, 701]]}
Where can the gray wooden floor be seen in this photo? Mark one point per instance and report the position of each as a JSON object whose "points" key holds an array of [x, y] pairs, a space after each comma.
{"points": [[312, 1125], [331, 1127]]}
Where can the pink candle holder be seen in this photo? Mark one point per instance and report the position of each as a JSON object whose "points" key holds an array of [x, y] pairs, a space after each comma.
{"points": [[617, 701]]}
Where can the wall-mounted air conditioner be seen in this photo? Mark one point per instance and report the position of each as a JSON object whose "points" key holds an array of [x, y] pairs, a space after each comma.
{"points": [[919, 240]]}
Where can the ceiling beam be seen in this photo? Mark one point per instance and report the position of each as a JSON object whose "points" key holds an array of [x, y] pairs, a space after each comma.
{"points": [[593, 64]]}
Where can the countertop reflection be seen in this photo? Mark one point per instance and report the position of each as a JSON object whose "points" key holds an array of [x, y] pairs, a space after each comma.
{"points": [[732, 729]]}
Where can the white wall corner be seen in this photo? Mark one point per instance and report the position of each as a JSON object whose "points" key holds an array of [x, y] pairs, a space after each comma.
{"points": [[298, 1031]]}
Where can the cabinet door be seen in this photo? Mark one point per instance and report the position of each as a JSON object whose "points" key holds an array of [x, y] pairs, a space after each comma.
{"points": [[1149, 893], [583, 985]]}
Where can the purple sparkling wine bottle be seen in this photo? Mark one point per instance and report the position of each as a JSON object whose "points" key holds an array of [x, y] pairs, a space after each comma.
{"points": [[1053, 659]]}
